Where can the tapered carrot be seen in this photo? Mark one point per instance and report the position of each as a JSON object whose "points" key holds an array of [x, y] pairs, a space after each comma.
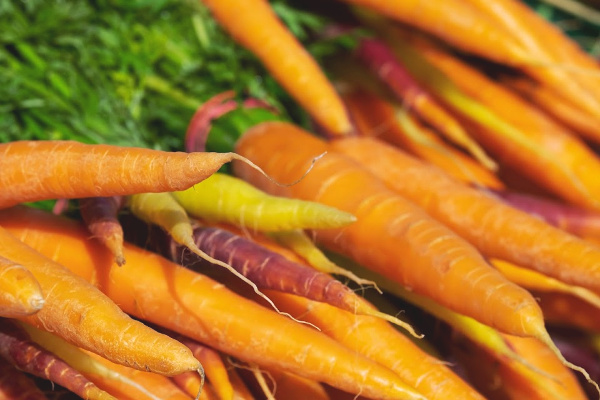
{"points": [[16, 348], [161, 292], [69, 169], [380, 59], [513, 131], [20, 292], [390, 348], [454, 22], [479, 217], [391, 236], [254, 25], [225, 198], [100, 217], [376, 117], [81, 314], [15, 385], [269, 270]]}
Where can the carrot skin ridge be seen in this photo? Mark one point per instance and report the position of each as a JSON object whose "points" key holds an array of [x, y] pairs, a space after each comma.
{"points": [[20, 292], [157, 290], [255, 26], [100, 216], [338, 181], [27, 356]]}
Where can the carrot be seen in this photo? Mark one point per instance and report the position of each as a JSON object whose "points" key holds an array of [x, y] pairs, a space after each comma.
{"points": [[17, 349], [532, 280], [390, 348], [224, 198], [68, 169], [191, 384], [380, 59], [391, 236], [100, 217], [283, 385], [255, 26], [566, 310], [20, 292], [514, 132], [269, 270], [81, 314], [454, 22], [240, 389], [152, 288], [376, 117], [15, 385], [81, 361]]}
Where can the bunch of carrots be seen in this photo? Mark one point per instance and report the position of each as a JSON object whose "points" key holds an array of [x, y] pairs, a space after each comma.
{"points": [[435, 235]]}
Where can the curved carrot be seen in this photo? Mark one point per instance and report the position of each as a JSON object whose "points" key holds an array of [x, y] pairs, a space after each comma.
{"points": [[16, 385], [391, 236], [495, 228], [253, 24], [225, 198], [376, 117], [20, 292], [152, 288], [100, 217], [81, 314], [380, 59], [69, 169], [391, 348], [19, 350]]}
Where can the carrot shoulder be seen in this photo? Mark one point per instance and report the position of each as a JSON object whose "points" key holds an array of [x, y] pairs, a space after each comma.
{"points": [[152, 288], [391, 236], [496, 229], [81, 314], [253, 24], [69, 169]]}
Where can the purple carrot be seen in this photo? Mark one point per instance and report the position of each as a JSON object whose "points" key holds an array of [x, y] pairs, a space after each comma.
{"points": [[26, 355], [100, 217], [15, 385]]}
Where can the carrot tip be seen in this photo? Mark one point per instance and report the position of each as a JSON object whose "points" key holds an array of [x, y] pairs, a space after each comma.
{"points": [[200, 371]]}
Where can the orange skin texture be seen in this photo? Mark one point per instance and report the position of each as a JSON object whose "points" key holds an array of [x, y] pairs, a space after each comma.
{"points": [[254, 25], [155, 289], [392, 236]]}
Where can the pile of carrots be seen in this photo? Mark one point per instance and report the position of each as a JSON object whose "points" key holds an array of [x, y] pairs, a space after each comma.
{"points": [[452, 174]]}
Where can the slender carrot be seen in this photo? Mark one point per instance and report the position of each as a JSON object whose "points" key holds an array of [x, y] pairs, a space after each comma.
{"points": [[25, 355], [532, 280], [391, 236], [496, 229], [269, 270], [390, 348], [81, 314], [512, 130], [81, 361], [20, 292], [192, 384], [562, 309], [255, 26], [454, 22], [191, 304], [15, 385], [240, 389], [292, 387], [68, 169], [225, 198], [100, 217], [380, 59], [376, 117]]}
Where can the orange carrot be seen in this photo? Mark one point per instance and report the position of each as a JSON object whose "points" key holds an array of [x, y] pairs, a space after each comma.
{"points": [[192, 384], [15, 385], [152, 288], [100, 217], [81, 314], [495, 228], [68, 169], [380, 59], [376, 117], [17, 349], [391, 236], [253, 24], [20, 292], [453, 21], [381, 342], [562, 309], [240, 389]]}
